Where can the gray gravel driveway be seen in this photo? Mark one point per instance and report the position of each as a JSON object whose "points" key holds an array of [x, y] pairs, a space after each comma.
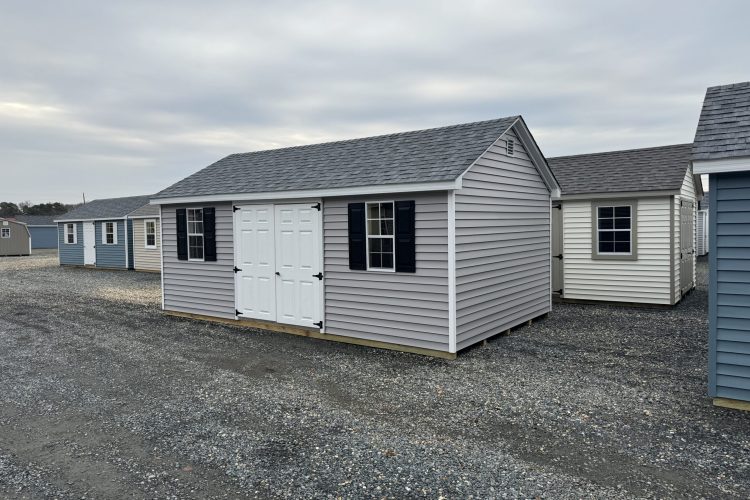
{"points": [[101, 396]]}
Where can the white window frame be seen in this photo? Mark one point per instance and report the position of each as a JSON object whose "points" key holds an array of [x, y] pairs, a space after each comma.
{"points": [[633, 231], [71, 228], [201, 234], [5, 233], [146, 222], [114, 233], [392, 237]]}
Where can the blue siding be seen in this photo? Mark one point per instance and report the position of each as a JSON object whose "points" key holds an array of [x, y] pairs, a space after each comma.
{"points": [[130, 245], [70, 254], [111, 256], [729, 286], [43, 237]]}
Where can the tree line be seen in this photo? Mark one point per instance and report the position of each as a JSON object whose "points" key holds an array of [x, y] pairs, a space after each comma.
{"points": [[9, 209]]}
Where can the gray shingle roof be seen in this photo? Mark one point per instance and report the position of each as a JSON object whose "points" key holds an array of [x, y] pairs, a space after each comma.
{"points": [[146, 211], [106, 208], [724, 126], [433, 155], [648, 169], [38, 220]]}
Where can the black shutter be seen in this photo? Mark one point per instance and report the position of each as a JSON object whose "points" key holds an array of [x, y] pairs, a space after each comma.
{"points": [[182, 239], [357, 236], [406, 258], [209, 234]]}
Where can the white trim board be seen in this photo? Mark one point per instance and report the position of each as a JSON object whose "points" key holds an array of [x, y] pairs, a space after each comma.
{"points": [[319, 193], [721, 166], [452, 272], [90, 220]]}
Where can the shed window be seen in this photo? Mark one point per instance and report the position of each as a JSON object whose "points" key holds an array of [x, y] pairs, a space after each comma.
{"points": [[380, 223], [614, 230], [195, 233], [150, 230], [109, 233], [5, 232], [71, 235]]}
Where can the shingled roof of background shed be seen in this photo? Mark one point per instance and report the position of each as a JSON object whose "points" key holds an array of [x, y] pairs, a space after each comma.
{"points": [[37, 220], [649, 169], [106, 208], [724, 126], [433, 155]]}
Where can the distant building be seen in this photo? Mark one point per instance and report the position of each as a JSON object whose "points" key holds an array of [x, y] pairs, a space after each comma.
{"points": [[15, 238], [42, 228]]}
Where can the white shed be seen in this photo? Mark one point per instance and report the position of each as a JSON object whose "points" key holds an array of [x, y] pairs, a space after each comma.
{"points": [[623, 228]]}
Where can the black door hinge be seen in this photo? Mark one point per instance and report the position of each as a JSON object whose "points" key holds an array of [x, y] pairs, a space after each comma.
{"points": [[237, 269], [319, 276], [237, 312], [560, 291], [558, 256], [316, 207], [319, 324], [235, 208]]}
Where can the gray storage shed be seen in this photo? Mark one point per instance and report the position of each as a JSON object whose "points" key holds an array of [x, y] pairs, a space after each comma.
{"points": [[15, 239], [425, 241], [42, 228], [623, 229], [722, 150]]}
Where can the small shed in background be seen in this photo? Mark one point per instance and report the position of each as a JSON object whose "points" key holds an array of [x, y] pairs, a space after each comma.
{"points": [[146, 223], [42, 228], [701, 226], [722, 150], [15, 239], [623, 226]]}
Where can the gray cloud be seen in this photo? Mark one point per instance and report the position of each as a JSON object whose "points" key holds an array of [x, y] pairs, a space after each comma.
{"points": [[118, 98]]}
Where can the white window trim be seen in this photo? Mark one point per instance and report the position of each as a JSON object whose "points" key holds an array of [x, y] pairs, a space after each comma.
{"points": [[632, 254], [114, 233], [75, 233], [3, 231], [189, 234], [145, 234], [367, 238]]}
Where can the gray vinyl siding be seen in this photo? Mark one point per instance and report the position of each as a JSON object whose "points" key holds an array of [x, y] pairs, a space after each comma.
{"points": [[502, 244], [110, 256], [146, 259], [729, 285], [70, 254], [401, 308], [130, 244], [43, 236], [205, 288]]}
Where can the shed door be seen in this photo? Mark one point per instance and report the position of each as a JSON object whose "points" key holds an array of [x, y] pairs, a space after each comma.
{"points": [[89, 244], [687, 245], [557, 249], [255, 280]]}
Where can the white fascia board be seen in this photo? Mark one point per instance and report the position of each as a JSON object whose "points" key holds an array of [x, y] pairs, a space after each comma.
{"points": [[90, 220], [157, 216], [318, 193], [721, 166], [537, 157], [610, 196]]}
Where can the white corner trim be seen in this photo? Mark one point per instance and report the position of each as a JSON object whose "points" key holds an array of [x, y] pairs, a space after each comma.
{"points": [[161, 258], [724, 165], [452, 271], [314, 193]]}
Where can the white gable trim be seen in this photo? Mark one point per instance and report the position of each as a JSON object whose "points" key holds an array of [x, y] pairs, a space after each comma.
{"points": [[721, 166], [532, 148], [319, 193]]}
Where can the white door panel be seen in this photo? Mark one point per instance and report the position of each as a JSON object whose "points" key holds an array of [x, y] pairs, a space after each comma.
{"points": [[89, 242], [256, 283]]}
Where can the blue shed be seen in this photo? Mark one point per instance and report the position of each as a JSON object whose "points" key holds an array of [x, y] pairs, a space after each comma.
{"points": [[99, 233], [722, 150], [42, 228]]}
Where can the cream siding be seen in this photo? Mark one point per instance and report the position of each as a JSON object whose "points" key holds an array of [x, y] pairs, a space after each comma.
{"points": [[502, 244], [401, 308], [645, 280], [687, 193], [146, 259]]}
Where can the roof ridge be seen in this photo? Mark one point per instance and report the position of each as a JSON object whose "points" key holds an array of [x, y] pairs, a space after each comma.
{"points": [[730, 85], [632, 150], [380, 136]]}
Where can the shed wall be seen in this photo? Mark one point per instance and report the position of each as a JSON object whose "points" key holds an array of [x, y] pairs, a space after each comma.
{"points": [[146, 259], [402, 308], [110, 256], [502, 244], [687, 193], [71, 255], [43, 236], [205, 288], [645, 280], [18, 243], [729, 297]]}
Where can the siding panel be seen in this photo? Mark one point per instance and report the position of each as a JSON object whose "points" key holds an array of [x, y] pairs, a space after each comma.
{"points": [[502, 244], [146, 259], [70, 254], [376, 305], [110, 256]]}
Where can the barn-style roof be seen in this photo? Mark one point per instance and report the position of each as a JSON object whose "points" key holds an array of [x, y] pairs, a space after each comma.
{"points": [[433, 155], [106, 208], [634, 170], [724, 126]]}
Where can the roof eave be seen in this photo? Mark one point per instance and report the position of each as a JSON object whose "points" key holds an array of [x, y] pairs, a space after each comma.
{"points": [[722, 165], [617, 195]]}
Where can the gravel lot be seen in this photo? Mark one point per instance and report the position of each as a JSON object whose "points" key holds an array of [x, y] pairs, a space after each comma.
{"points": [[101, 396]]}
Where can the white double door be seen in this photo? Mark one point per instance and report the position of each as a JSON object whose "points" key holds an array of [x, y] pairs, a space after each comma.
{"points": [[278, 264]]}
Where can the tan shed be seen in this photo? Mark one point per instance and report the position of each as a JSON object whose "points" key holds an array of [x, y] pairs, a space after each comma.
{"points": [[146, 224], [15, 238]]}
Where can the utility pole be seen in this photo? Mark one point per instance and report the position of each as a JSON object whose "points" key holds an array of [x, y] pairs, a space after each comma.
{"points": [[84, 198]]}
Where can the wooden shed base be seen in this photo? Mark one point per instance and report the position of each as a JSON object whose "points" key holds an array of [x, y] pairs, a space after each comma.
{"points": [[558, 300], [313, 333], [734, 404]]}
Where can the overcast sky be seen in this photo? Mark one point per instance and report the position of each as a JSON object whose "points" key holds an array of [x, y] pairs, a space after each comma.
{"points": [[124, 98]]}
